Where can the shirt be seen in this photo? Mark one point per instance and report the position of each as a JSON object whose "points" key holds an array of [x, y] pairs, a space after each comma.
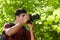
{"points": [[19, 35]]}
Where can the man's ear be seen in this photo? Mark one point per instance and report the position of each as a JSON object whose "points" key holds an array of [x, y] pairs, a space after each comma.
{"points": [[16, 17]]}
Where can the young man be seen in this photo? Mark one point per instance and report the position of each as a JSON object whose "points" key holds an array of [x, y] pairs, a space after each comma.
{"points": [[18, 32]]}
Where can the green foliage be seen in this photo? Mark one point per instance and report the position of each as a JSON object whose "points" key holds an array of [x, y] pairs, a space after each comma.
{"points": [[46, 28]]}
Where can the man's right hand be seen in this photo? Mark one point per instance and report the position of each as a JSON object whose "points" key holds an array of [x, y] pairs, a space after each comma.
{"points": [[24, 18]]}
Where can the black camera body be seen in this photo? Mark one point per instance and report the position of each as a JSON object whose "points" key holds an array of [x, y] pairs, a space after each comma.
{"points": [[32, 18]]}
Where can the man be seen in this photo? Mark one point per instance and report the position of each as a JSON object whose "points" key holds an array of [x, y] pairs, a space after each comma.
{"points": [[18, 32]]}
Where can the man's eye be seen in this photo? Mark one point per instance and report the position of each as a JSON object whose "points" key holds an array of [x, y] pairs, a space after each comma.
{"points": [[23, 15]]}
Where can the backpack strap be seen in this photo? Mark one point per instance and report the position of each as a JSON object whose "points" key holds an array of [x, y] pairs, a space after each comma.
{"points": [[11, 24]]}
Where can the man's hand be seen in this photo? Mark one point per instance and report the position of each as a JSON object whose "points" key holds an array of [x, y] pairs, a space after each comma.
{"points": [[31, 31], [24, 18], [31, 26]]}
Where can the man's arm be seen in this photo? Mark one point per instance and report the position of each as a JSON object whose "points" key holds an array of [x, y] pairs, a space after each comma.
{"points": [[32, 34], [31, 31], [13, 30]]}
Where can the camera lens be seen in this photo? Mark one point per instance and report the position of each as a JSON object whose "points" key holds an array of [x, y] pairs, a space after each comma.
{"points": [[32, 18]]}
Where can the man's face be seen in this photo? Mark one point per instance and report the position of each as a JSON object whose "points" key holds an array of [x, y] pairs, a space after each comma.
{"points": [[20, 16]]}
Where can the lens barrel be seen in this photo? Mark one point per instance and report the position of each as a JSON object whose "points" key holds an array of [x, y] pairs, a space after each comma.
{"points": [[32, 18]]}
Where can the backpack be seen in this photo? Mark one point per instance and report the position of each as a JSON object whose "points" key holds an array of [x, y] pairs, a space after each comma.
{"points": [[4, 36]]}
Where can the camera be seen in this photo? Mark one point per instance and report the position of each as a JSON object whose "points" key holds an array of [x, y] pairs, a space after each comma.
{"points": [[33, 17]]}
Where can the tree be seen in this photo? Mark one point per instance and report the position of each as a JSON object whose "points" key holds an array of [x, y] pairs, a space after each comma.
{"points": [[46, 28]]}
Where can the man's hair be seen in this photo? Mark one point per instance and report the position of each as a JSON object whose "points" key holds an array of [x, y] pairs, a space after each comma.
{"points": [[19, 11]]}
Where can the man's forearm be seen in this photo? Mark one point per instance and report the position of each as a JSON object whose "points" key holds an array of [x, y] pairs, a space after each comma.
{"points": [[32, 34], [13, 30]]}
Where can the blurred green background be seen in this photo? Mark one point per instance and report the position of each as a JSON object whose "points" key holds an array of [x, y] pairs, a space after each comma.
{"points": [[46, 28]]}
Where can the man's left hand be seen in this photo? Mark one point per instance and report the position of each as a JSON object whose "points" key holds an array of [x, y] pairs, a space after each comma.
{"points": [[30, 25]]}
